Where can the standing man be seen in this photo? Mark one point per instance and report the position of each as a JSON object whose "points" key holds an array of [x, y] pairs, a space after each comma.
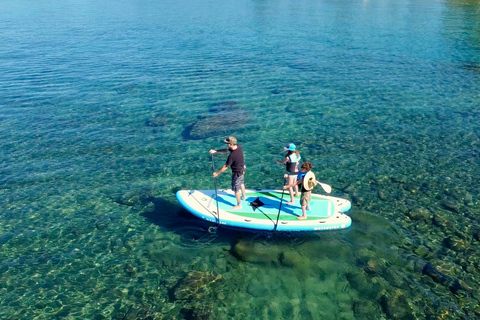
{"points": [[236, 162]]}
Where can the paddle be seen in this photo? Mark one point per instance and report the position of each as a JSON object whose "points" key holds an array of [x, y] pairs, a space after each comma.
{"points": [[216, 195], [312, 179], [325, 187], [280, 207]]}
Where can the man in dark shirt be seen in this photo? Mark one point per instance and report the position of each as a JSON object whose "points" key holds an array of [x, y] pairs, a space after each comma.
{"points": [[236, 162]]}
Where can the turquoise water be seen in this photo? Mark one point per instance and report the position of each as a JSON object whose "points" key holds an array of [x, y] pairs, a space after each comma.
{"points": [[109, 107]]}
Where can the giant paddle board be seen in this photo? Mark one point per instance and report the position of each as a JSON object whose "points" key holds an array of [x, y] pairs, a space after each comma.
{"points": [[260, 210]]}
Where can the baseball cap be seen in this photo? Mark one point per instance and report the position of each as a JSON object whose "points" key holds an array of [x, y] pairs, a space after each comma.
{"points": [[231, 140]]}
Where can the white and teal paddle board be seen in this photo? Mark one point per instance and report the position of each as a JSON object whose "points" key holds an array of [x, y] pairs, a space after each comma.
{"points": [[326, 212]]}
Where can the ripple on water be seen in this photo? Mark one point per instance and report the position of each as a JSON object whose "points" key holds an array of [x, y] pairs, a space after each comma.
{"points": [[100, 132]]}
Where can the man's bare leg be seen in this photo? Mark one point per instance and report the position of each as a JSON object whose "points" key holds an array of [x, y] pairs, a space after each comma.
{"points": [[239, 203]]}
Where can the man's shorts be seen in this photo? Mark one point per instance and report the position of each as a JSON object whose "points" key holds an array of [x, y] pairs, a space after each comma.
{"points": [[237, 182], [306, 197]]}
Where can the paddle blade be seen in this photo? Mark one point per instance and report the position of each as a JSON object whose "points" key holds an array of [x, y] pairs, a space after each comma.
{"points": [[325, 187]]}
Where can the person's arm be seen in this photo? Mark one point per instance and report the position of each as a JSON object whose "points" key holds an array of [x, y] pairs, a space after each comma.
{"points": [[222, 169], [218, 151], [293, 184], [287, 159]]}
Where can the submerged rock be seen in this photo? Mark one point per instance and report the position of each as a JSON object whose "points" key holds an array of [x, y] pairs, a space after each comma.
{"points": [[421, 266], [135, 197], [374, 266], [422, 251], [198, 311], [453, 284], [455, 243], [441, 219], [101, 225], [195, 286], [451, 205], [293, 259], [158, 121], [419, 214], [216, 125], [396, 306], [360, 282], [224, 117], [255, 252], [363, 309], [357, 200], [129, 270]]}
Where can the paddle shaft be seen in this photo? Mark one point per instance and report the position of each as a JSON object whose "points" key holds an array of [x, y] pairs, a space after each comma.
{"points": [[280, 207], [216, 194]]}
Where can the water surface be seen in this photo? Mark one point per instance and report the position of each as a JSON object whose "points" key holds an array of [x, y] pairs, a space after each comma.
{"points": [[109, 108]]}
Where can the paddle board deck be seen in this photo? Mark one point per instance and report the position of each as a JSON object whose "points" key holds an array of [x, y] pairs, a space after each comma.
{"points": [[326, 212]]}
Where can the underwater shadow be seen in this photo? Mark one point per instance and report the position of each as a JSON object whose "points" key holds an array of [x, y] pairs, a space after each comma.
{"points": [[172, 217]]}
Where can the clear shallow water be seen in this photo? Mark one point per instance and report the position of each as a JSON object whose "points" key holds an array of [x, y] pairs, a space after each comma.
{"points": [[108, 108]]}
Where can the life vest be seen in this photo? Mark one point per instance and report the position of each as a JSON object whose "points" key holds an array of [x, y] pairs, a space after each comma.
{"points": [[292, 165]]}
